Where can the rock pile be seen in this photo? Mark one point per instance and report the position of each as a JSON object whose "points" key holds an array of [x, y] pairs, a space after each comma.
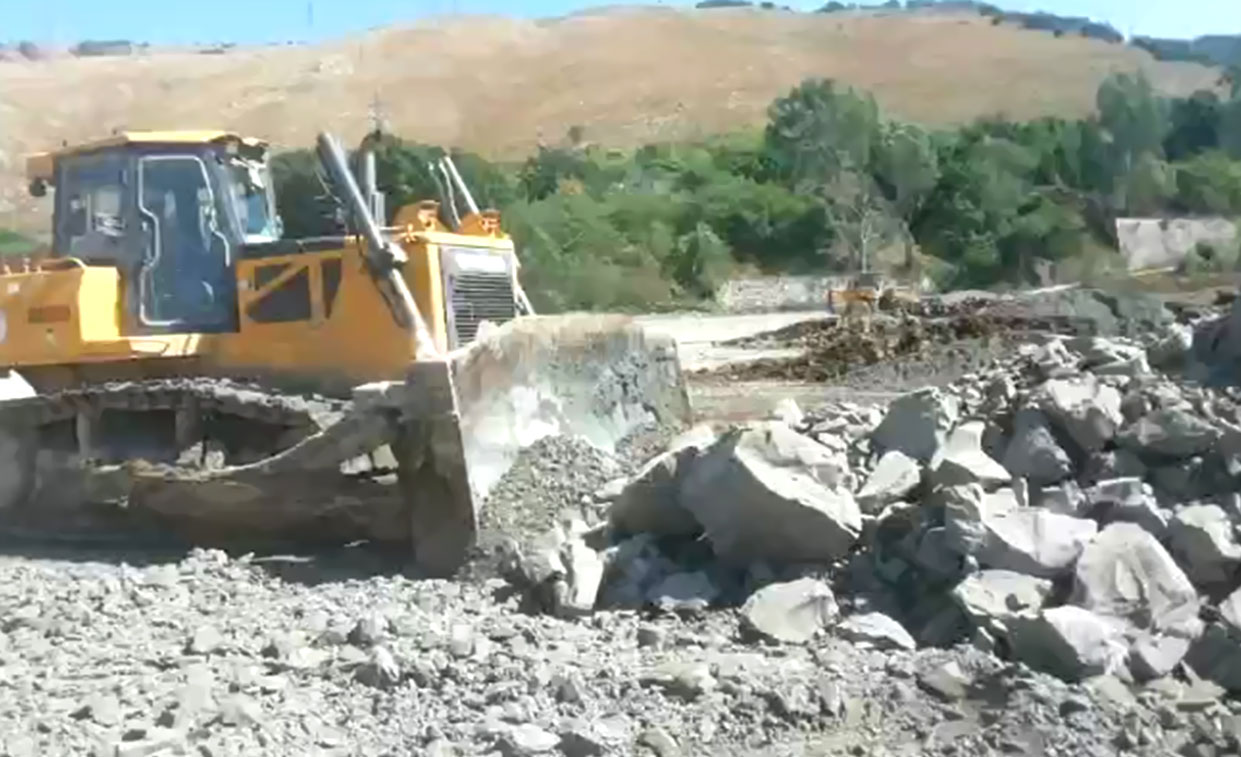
{"points": [[1070, 509]]}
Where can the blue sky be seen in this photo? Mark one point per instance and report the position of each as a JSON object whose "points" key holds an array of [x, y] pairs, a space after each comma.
{"points": [[170, 21]]}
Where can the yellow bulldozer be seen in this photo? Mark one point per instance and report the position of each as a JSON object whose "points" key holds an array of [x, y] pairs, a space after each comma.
{"points": [[176, 363]]}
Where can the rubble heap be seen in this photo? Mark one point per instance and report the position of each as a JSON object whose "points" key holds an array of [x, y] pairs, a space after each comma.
{"points": [[1074, 509]]}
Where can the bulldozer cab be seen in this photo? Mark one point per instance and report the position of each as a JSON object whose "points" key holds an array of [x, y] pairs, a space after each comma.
{"points": [[170, 211]]}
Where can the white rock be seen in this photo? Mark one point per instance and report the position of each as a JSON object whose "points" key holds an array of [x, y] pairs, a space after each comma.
{"points": [[684, 591], [1129, 500], [1173, 432], [1070, 642], [787, 411], [584, 574], [1034, 541], [896, 475], [1202, 539], [993, 596], [918, 423], [962, 461], [793, 611], [877, 630], [527, 739], [650, 502], [1125, 573], [757, 498], [1084, 408]]}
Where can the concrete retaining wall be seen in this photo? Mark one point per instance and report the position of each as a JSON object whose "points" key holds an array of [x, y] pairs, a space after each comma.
{"points": [[768, 294], [1165, 242]]}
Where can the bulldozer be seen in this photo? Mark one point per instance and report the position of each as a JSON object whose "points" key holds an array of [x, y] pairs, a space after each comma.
{"points": [[175, 363]]}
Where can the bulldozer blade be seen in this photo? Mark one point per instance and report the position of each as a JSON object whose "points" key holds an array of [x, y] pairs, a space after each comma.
{"points": [[454, 425], [598, 377]]}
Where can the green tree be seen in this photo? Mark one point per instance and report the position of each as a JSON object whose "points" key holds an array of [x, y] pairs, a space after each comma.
{"points": [[819, 130], [302, 197], [906, 166], [1209, 183], [1137, 119], [1195, 125]]}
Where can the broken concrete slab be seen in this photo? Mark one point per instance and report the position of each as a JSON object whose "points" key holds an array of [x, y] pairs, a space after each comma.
{"points": [[1084, 408], [961, 460], [877, 630], [1202, 539], [1125, 573], [755, 502], [1175, 432], [584, 574], [1033, 452], [918, 423], [792, 611], [1070, 642], [895, 476], [650, 503]]}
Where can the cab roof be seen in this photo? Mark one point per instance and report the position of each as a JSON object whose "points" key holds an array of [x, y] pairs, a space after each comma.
{"points": [[40, 166]]}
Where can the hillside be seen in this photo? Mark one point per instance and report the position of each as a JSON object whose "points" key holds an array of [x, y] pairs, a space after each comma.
{"points": [[499, 86]]}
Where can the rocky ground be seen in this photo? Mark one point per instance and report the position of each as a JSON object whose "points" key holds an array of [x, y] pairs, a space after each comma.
{"points": [[1039, 557]]}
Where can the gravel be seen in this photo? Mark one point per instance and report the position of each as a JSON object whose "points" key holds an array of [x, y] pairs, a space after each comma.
{"points": [[94, 660]]}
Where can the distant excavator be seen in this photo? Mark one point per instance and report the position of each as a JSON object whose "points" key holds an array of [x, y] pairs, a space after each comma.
{"points": [[175, 362], [869, 292]]}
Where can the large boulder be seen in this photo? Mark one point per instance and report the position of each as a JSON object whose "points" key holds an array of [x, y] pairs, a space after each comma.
{"points": [[651, 502], [1001, 534], [758, 499], [1084, 408], [1034, 541], [961, 459], [1033, 452], [990, 598], [793, 611], [1125, 573], [1202, 539], [917, 423], [1175, 432], [894, 476], [1070, 642], [1128, 500]]}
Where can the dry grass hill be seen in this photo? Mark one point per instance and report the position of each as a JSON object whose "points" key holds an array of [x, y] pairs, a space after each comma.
{"points": [[500, 85]]}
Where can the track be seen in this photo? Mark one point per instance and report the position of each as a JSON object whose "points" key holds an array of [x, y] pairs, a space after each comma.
{"points": [[84, 464]]}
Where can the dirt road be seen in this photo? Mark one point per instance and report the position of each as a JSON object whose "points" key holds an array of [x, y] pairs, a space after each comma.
{"points": [[699, 339]]}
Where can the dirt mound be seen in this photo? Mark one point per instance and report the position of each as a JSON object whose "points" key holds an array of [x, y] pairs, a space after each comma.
{"points": [[835, 349]]}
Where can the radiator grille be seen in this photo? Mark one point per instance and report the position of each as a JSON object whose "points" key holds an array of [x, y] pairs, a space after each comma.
{"points": [[476, 295]]}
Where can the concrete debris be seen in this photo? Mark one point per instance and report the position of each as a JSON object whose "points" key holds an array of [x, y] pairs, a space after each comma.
{"points": [[793, 611], [1084, 408], [961, 460], [584, 575], [757, 500], [918, 423], [895, 476], [1125, 573], [948, 681], [1034, 453], [1067, 498], [1070, 642], [1203, 540], [877, 630]]}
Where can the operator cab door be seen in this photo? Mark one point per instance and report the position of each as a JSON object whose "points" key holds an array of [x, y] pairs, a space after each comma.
{"points": [[153, 215], [183, 280]]}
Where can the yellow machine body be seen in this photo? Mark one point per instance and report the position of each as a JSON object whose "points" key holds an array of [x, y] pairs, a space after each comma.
{"points": [[185, 362]]}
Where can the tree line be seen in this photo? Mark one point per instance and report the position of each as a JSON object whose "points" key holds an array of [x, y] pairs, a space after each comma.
{"points": [[833, 185]]}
